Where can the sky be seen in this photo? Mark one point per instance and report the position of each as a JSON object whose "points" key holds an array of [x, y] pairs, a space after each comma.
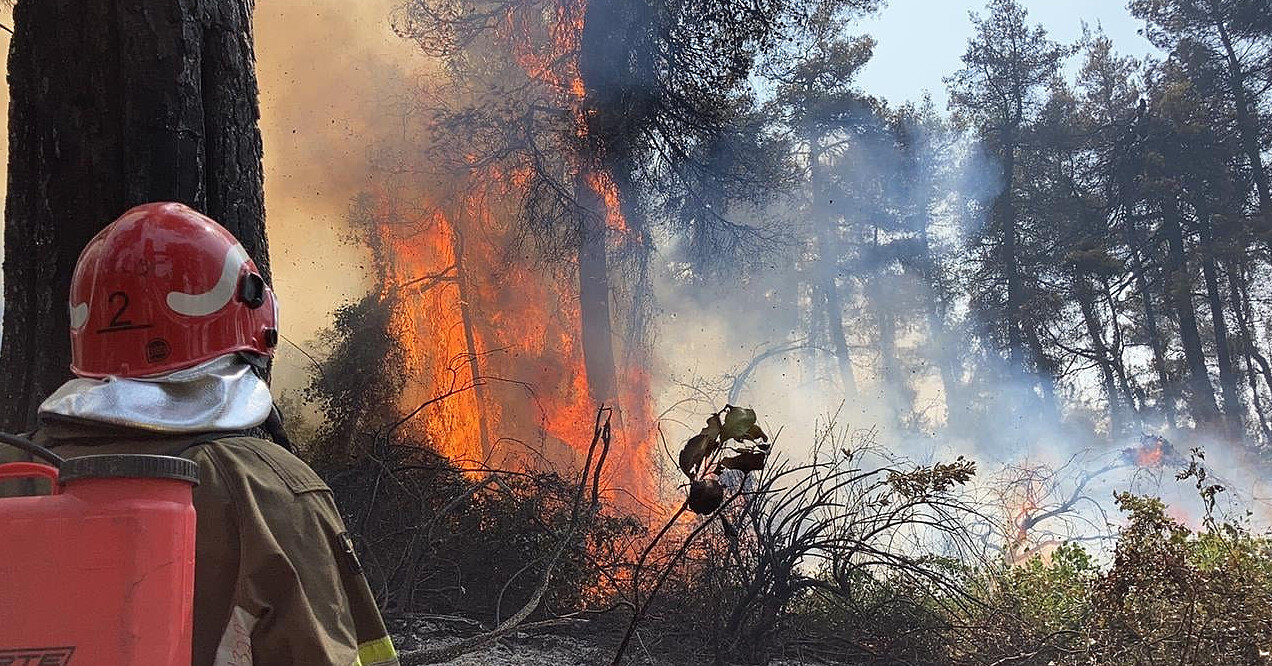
{"points": [[920, 41]]}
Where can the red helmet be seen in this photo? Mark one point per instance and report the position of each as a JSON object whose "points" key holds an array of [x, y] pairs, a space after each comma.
{"points": [[164, 288]]}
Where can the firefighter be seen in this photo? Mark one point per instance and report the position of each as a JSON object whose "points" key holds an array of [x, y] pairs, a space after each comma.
{"points": [[171, 328]]}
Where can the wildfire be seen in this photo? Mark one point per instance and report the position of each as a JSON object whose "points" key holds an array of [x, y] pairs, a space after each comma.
{"points": [[1022, 544], [477, 316], [604, 186], [1150, 455], [1153, 452]]}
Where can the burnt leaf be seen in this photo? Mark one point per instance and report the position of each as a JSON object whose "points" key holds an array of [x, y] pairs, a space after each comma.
{"points": [[755, 435], [745, 461], [705, 496], [700, 446], [739, 422], [729, 530]]}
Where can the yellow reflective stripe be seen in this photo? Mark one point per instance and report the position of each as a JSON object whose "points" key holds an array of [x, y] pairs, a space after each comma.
{"points": [[379, 652]]}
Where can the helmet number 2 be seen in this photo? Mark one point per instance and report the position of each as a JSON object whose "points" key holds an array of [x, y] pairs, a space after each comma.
{"points": [[122, 298], [119, 301]]}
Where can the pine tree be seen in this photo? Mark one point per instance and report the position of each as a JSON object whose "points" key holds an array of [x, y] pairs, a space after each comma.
{"points": [[998, 93]]}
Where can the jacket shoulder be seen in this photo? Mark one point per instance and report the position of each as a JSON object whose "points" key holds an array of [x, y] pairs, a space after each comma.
{"points": [[262, 462]]}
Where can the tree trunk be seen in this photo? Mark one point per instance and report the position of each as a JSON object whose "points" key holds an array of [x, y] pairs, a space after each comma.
{"points": [[1229, 379], [1179, 287], [617, 62], [1247, 127], [1044, 370], [1155, 338], [1095, 331], [1005, 213], [938, 343], [896, 395], [464, 292], [1240, 299], [1130, 399], [114, 105], [1021, 334], [827, 270], [594, 296]]}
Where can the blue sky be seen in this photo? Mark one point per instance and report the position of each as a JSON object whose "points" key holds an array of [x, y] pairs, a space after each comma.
{"points": [[920, 41]]}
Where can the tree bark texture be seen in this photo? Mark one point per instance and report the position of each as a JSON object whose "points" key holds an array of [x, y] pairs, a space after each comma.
{"points": [[594, 297], [114, 104]]}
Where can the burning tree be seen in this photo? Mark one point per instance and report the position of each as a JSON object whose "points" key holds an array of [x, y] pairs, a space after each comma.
{"points": [[563, 138]]}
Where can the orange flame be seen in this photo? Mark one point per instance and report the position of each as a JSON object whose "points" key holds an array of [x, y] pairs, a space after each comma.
{"points": [[477, 316], [1150, 455], [1022, 545]]}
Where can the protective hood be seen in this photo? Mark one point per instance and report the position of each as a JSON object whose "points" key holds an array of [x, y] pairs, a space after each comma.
{"points": [[223, 394]]}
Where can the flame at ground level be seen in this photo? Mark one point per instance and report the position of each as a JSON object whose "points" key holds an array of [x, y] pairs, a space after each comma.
{"points": [[479, 317]]}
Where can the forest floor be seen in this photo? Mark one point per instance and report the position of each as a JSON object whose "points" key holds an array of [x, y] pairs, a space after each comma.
{"points": [[531, 649], [518, 649]]}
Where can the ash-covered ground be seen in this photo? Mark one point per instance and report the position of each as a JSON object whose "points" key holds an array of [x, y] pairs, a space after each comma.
{"points": [[579, 646]]}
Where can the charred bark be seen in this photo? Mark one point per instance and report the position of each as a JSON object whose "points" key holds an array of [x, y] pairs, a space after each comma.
{"points": [[464, 291], [112, 105], [233, 176], [594, 296], [616, 64]]}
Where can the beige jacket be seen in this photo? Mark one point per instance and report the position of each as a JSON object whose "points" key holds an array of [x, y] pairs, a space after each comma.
{"points": [[276, 580]]}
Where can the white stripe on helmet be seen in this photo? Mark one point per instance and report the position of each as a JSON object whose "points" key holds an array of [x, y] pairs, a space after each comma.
{"points": [[79, 315], [201, 305]]}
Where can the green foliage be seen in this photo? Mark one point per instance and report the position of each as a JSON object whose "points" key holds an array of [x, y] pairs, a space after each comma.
{"points": [[1172, 592], [1170, 596], [357, 383], [1007, 66], [1054, 595]]}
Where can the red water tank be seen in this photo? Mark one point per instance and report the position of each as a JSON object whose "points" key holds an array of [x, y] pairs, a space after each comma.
{"points": [[101, 572]]}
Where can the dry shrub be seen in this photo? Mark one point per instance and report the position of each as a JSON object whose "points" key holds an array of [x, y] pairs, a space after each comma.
{"points": [[439, 540], [828, 560]]}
